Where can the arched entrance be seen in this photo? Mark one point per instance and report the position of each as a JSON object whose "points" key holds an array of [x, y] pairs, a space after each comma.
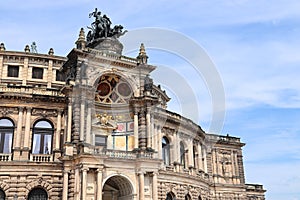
{"points": [[37, 194], [117, 188]]}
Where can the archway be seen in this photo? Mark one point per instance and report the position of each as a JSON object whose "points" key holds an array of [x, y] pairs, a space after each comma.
{"points": [[38, 194], [117, 188]]}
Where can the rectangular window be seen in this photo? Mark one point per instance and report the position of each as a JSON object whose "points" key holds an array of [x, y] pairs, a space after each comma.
{"points": [[100, 140], [60, 76], [13, 71], [37, 72]]}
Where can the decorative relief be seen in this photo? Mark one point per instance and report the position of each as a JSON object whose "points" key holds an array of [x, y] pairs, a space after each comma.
{"points": [[4, 111], [44, 113]]}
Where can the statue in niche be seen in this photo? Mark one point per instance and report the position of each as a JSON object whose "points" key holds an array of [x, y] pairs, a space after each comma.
{"points": [[148, 83]]}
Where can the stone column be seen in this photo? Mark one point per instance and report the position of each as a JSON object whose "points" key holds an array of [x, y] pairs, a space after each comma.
{"points": [[1, 66], [159, 142], [99, 184], [69, 126], [141, 186], [25, 72], [142, 130], [88, 125], [155, 187], [155, 137], [65, 185], [204, 159], [27, 128], [136, 129], [19, 128], [84, 182], [58, 129], [200, 162], [82, 121], [50, 74], [190, 154], [77, 184], [148, 127]]}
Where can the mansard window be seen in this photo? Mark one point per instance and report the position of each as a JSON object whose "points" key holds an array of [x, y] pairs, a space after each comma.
{"points": [[113, 89], [2, 195], [37, 194], [182, 155], [37, 72], [6, 135], [42, 137], [166, 150], [100, 140], [60, 76], [12, 71]]}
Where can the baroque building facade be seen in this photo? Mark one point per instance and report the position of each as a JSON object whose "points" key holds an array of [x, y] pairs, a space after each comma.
{"points": [[93, 125]]}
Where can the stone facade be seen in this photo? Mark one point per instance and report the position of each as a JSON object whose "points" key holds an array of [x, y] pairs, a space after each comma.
{"points": [[93, 126]]}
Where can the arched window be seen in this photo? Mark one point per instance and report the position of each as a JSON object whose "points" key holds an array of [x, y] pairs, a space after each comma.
{"points": [[6, 135], [42, 137], [182, 155], [170, 196], [187, 197], [166, 150], [38, 194], [2, 195]]}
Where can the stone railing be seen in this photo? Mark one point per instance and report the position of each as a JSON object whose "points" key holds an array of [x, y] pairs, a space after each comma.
{"points": [[41, 157], [115, 154], [5, 157], [30, 91], [122, 154]]}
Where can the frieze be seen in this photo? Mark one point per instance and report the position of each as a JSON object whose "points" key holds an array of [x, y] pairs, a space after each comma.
{"points": [[44, 113], [7, 111]]}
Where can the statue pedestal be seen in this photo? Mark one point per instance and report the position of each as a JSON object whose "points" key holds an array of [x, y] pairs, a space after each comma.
{"points": [[107, 45]]}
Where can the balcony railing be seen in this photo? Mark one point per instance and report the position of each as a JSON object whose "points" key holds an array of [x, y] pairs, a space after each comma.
{"points": [[123, 154], [41, 157], [5, 157]]}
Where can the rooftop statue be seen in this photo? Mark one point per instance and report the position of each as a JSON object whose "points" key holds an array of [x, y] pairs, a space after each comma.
{"points": [[101, 28]]}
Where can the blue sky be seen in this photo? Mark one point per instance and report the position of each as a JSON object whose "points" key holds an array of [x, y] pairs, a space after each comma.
{"points": [[254, 46]]}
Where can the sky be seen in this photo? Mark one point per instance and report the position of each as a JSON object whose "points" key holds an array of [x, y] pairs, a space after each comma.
{"points": [[252, 49]]}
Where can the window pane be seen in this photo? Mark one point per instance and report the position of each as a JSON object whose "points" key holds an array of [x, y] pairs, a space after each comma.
{"points": [[37, 72], [43, 124], [7, 143], [60, 76], [100, 140], [13, 71], [6, 123], [36, 143], [47, 144]]}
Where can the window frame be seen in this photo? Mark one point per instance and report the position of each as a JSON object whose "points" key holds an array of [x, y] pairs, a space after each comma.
{"points": [[166, 150], [42, 132], [13, 71], [37, 73], [4, 131]]}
